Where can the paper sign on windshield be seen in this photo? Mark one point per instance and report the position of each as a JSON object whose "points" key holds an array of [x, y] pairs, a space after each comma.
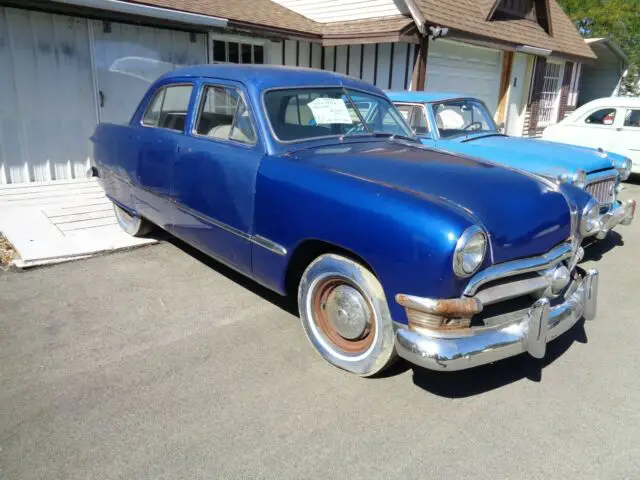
{"points": [[330, 110]]}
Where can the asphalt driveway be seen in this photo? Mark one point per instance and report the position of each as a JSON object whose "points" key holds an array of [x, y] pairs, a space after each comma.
{"points": [[158, 363]]}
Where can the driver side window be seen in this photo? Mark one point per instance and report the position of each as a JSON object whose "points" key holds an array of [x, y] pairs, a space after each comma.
{"points": [[605, 116]]}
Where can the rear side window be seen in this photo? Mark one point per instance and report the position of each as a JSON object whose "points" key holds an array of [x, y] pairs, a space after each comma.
{"points": [[632, 118], [223, 115], [415, 117], [606, 116], [168, 108]]}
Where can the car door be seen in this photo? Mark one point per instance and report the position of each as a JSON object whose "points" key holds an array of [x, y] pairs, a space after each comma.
{"points": [[156, 140], [595, 129], [628, 135], [214, 177]]}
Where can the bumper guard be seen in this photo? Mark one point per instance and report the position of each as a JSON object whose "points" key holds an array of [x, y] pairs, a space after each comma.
{"points": [[470, 347], [620, 213]]}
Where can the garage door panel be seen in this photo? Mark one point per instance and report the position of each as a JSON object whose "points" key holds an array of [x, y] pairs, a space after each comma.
{"points": [[128, 58], [47, 110], [460, 68]]}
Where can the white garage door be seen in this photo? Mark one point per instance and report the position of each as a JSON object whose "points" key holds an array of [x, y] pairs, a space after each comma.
{"points": [[128, 58], [461, 68], [47, 104]]}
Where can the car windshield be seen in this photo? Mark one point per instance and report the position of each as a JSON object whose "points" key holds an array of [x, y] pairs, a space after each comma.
{"points": [[303, 113], [462, 117]]}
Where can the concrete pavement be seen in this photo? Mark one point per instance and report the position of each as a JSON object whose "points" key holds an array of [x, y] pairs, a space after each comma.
{"points": [[160, 364]]}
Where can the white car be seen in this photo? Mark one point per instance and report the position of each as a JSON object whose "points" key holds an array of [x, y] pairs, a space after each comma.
{"points": [[611, 123]]}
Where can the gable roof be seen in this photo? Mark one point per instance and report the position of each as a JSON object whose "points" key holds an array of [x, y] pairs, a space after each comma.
{"points": [[470, 17], [462, 17]]}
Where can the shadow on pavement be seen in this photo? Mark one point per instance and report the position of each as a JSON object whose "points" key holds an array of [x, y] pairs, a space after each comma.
{"points": [[287, 304], [597, 249], [466, 383]]}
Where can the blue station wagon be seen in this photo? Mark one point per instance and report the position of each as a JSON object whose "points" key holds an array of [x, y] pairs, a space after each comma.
{"points": [[463, 124], [312, 184]]}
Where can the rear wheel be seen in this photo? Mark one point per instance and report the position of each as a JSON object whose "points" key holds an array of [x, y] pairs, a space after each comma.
{"points": [[345, 315], [134, 225]]}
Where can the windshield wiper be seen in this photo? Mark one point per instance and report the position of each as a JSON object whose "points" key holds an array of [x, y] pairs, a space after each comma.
{"points": [[391, 136]]}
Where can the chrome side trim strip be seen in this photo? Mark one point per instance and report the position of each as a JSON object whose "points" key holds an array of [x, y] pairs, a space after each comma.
{"points": [[525, 265], [269, 245], [255, 239], [212, 221]]}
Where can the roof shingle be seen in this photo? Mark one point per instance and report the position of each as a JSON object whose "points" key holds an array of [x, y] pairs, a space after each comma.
{"points": [[470, 16]]}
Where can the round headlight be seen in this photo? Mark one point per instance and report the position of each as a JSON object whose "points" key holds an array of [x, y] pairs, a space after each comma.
{"points": [[579, 179], [590, 223], [469, 252], [625, 169]]}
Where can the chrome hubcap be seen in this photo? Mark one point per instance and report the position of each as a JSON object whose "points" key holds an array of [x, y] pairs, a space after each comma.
{"points": [[347, 311]]}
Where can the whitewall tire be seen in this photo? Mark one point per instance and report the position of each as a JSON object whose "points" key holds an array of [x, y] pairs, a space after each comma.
{"points": [[134, 225], [345, 315]]}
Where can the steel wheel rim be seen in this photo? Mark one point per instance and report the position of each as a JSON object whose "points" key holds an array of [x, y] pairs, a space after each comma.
{"points": [[348, 337]]}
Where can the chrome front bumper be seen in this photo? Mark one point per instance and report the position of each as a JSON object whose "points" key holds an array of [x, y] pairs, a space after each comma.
{"points": [[470, 347], [620, 213]]}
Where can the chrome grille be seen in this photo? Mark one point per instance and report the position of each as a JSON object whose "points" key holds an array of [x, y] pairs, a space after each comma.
{"points": [[603, 190]]}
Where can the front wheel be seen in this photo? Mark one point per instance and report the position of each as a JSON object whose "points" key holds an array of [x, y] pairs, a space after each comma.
{"points": [[345, 315], [134, 225]]}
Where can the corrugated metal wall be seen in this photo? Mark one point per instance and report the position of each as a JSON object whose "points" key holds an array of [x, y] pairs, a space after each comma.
{"points": [[47, 103]]}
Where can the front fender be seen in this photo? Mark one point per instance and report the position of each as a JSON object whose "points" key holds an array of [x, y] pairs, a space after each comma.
{"points": [[408, 239]]}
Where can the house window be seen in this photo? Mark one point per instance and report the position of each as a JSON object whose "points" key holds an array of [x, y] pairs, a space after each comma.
{"points": [[550, 96], [226, 51]]}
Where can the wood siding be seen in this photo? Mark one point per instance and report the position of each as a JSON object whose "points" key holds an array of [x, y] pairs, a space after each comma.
{"points": [[326, 11]]}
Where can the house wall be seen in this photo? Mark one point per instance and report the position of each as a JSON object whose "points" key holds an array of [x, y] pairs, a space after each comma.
{"points": [[386, 65]]}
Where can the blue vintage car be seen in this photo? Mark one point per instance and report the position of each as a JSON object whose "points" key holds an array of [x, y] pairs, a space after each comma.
{"points": [[390, 247], [462, 124]]}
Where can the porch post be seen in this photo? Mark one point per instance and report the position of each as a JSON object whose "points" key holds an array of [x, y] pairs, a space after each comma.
{"points": [[419, 76]]}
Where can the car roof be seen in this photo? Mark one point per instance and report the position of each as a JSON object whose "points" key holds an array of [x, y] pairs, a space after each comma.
{"points": [[264, 77], [423, 97], [613, 102]]}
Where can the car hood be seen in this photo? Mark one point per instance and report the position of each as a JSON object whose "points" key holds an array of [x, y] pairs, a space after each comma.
{"points": [[533, 155], [524, 216]]}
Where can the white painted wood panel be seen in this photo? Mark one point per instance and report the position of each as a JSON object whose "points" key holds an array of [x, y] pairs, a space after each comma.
{"points": [[328, 58], [47, 103], [355, 53], [290, 52], [326, 11], [303, 59], [384, 64]]}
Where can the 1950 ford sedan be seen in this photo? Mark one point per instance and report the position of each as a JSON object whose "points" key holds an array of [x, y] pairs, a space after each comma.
{"points": [[464, 125], [390, 247]]}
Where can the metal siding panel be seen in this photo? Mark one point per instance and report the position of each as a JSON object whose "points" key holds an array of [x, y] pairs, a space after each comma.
{"points": [[398, 63], [274, 53], [341, 59], [384, 63], [130, 57], [368, 61], [354, 61], [316, 55], [328, 58], [304, 54], [51, 112], [290, 53]]}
